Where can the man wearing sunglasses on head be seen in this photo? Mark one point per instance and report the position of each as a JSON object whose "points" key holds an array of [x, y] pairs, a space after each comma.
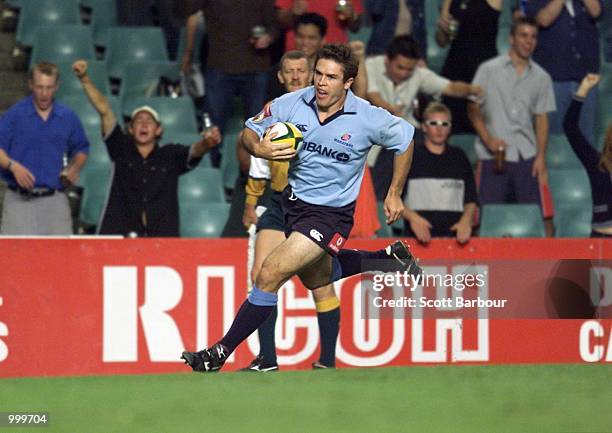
{"points": [[440, 193]]}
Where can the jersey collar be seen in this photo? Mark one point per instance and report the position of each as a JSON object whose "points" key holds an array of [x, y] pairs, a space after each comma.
{"points": [[350, 105]]}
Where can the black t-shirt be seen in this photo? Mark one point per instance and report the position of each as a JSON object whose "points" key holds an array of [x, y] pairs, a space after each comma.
{"points": [[438, 187], [144, 190]]}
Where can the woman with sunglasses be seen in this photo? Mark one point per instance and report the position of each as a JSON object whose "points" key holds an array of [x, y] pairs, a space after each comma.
{"points": [[598, 165]]}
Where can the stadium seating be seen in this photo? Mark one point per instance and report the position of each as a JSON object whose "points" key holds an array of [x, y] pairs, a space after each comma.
{"points": [[95, 182], [87, 113], [203, 220], [139, 80], [511, 220], [573, 221], [559, 153], [45, 13], [103, 17], [570, 186], [70, 84], [176, 114], [466, 143], [134, 44], [201, 185], [62, 44]]}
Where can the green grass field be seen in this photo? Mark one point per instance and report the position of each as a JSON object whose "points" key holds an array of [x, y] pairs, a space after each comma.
{"points": [[544, 398]]}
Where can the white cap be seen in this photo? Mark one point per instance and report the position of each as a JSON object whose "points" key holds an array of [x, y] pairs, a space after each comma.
{"points": [[146, 109]]}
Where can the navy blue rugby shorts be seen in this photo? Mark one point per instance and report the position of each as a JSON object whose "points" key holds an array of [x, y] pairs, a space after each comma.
{"points": [[272, 218], [327, 226]]}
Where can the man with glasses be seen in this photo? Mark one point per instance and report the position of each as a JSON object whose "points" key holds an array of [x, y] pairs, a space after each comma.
{"points": [[440, 194]]}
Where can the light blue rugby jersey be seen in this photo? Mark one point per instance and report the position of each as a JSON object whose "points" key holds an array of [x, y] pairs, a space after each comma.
{"points": [[328, 169]]}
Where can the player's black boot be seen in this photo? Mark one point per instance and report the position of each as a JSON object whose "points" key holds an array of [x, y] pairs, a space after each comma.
{"points": [[259, 364], [208, 359], [407, 262]]}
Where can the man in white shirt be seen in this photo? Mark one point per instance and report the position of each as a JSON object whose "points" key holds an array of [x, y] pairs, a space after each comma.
{"points": [[395, 79]]}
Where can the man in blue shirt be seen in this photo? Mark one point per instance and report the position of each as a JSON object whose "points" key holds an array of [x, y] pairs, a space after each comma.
{"points": [[42, 150], [324, 179], [568, 49]]}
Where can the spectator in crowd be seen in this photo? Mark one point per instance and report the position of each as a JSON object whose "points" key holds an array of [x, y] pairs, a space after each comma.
{"points": [[309, 30], [295, 74], [470, 27], [394, 79], [440, 198], [512, 123], [143, 195], [598, 166], [42, 150], [391, 18], [568, 49], [340, 17], [238, 61]]}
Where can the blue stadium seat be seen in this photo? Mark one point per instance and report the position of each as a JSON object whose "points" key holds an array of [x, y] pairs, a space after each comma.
{"points": [[570, 186], [62, 44], [45, 13], [511, 220], [132, 45], [70, 84], [95, 181], [87, 113], [466, 143], [573, 221], [140, 80], [103, 17], [201, 185], [203, 220], [559, 153]]}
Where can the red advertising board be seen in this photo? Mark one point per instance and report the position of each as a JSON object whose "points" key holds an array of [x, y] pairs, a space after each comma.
{"points": [[127, 306]]}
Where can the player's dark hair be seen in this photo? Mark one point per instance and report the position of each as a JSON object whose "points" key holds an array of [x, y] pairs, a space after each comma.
{"points": [[341, 54], [45, 68], [312, 18], [404, 46], [522, 21], [292, 55]]}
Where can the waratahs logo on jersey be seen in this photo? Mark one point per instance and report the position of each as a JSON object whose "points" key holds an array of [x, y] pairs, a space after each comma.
{"points": [[344, 140], [309, 146], [266, 112]]}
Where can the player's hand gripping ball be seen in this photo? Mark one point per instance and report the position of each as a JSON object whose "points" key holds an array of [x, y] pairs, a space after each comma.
{"points": [[286, 133]]}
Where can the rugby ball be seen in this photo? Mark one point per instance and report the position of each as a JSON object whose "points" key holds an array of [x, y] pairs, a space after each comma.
{"points": [[286, 133]]}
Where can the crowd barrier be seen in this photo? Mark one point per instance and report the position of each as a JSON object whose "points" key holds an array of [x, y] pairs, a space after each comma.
{"points": [[131, 306]]}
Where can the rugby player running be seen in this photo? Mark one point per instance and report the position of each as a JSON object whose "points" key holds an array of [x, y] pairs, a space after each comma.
{"points": [[324, 180]]}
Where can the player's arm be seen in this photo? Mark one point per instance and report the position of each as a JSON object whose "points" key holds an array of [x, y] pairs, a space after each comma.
{"points": [[393, 202], [96, 98], [264, 148]]}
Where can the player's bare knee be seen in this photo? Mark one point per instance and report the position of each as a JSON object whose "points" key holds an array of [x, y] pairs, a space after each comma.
{"points": [[268, 278]]}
